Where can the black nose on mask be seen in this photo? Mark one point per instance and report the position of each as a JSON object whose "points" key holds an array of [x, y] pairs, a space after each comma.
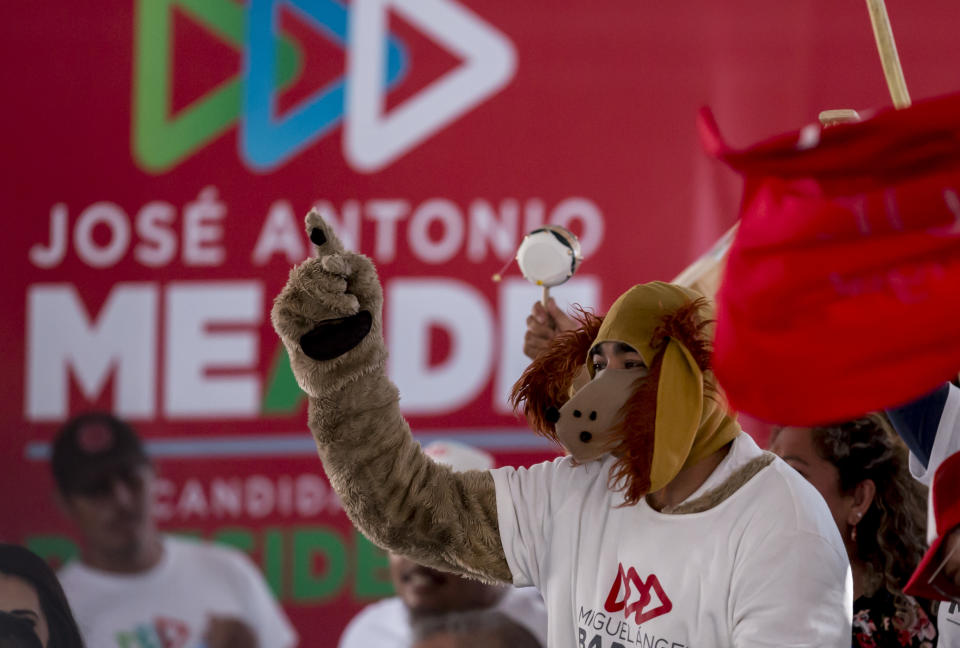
{"points": [[552, 415]]}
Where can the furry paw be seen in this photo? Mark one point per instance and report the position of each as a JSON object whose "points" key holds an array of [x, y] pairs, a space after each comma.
{"points": [[330, 311]]}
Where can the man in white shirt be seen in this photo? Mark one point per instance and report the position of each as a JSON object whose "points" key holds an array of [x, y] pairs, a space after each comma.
{"points": [[666, 526], [425, 594], [134, 587]]}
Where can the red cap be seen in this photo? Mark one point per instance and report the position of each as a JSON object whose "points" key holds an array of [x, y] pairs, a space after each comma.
{"points": [[945, 500]]}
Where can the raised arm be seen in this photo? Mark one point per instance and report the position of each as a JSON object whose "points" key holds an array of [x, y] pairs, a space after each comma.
{"points": [[329, 319]]}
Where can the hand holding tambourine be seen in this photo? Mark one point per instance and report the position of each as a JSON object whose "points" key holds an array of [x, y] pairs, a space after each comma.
{"points": [[548, 256]]}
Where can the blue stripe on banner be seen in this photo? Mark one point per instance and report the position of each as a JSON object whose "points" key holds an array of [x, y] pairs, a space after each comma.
{"points": [[288, 445]]}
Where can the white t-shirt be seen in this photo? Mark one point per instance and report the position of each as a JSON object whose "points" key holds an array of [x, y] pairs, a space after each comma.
{"points": [[169, 604], [945, 443], [386, 624], [764, 568]]}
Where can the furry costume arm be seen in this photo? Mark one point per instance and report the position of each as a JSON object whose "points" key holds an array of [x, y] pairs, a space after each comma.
{"points": [[329, 318]]}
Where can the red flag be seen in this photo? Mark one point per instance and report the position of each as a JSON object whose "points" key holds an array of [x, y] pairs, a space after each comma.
{"points": [[841, 294]]}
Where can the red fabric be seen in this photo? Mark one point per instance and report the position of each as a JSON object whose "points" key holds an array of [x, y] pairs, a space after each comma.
{"points": [[842, 289]]}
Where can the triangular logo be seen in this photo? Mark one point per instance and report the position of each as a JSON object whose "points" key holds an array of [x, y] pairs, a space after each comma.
{"points": [[629, 582], [282, 395], [160, 142], [172, 633], [654, 589], [373, 140], [190, 43], [267, 141]]}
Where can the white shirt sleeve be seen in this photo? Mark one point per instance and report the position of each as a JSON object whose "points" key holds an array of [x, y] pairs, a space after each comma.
{"points": [[526, 608], [526, 501], [355, 635], [791, 590], [384, 624], [264, 613]]}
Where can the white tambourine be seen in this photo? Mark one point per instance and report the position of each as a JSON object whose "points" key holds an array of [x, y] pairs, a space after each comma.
{"points": [[548, 256]]}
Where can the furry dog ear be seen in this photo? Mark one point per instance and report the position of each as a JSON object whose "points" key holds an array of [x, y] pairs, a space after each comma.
{"points": [[690, 326], [679, 408], [647, 432], [545, 384], [632, 443]]}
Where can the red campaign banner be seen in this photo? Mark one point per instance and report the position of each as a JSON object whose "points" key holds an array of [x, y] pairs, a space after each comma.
{"points": [[160, 155], [841, 281]]}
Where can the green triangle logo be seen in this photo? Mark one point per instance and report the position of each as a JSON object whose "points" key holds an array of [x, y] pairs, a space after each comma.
{"points": [[159, 141], [283, 394]]}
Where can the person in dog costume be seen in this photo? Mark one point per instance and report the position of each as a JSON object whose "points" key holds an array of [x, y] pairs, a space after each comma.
{"points": [[665, 525]]}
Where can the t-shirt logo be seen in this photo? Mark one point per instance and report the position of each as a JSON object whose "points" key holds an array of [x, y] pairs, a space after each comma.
{"points": [[164, 632], [637, 595]]}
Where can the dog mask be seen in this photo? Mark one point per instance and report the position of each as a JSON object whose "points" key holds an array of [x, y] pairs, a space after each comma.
{"points": [[658, 424], [586, 423]]}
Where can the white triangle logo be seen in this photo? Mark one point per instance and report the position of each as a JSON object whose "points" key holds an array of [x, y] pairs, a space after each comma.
{"points": [[372, 140]]}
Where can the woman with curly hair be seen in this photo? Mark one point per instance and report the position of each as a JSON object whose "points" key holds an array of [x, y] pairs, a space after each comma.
{"points": [[860, 467]]}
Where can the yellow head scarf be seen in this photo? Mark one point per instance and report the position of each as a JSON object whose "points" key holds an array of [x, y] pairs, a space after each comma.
{"points": [[689, 426]]}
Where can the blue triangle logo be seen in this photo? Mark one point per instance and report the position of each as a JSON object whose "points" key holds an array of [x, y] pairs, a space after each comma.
{"points": [[266, 141]]}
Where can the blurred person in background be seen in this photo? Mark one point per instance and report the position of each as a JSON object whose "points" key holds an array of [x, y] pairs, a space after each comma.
{"points": [[29, 591], [861, 469], [16, 632], [134, 587], [426, 595], [473, 629]]}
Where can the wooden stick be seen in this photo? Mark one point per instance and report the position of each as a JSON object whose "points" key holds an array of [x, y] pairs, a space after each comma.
{"points": [[839, 116], [704, 274], [545, 296], [888, 53]]}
